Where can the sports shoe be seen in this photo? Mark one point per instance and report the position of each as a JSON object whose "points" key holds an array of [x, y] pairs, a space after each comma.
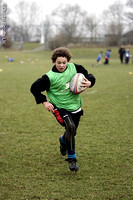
{"points": [[63, 149], [73, 165]]}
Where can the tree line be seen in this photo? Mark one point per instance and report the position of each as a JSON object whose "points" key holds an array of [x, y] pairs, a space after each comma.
{"points": [[70, 23]]}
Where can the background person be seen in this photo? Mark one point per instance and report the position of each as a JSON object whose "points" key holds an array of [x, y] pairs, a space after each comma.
{"points": [[121, 53], [99, 57], [107, 57], [127, 56]]}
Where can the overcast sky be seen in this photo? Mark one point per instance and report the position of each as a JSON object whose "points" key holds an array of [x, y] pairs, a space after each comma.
{"points": [[92, 7]]}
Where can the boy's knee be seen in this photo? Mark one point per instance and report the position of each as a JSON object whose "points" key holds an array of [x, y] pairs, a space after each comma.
{"points": [[70, 126]]}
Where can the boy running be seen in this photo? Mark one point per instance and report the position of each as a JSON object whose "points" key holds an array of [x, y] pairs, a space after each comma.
{"points": [[64, 105]]}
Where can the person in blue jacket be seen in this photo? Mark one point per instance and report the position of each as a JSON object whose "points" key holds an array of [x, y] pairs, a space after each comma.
{"points": [[99, 58], [107, 57]]}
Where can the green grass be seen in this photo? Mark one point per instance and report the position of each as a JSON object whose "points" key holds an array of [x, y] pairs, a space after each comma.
{"points": [[31, 46], [31, 166]]}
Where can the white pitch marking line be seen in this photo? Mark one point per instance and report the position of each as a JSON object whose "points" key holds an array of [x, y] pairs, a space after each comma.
{"points": [[92, 92], [2, 133]]}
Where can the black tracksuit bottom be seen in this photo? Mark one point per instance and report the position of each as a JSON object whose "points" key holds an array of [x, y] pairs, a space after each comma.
{"points": [[70, 121]]}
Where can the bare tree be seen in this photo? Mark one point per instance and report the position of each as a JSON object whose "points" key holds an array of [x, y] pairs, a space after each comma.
{"points": [[91, 23], [113, 23], [70, 22], [129, 14], [26, 19]]}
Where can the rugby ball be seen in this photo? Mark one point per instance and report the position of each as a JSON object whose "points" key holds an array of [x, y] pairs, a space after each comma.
{"points": [[76, 82]]}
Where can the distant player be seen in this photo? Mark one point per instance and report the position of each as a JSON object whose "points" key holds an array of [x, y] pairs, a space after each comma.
{"points": [[64, 105], [127, 56], [99, 57], [107, 57], [121, 53]]}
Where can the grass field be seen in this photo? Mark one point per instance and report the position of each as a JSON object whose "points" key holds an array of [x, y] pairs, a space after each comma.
{"points": [[31, 166]]}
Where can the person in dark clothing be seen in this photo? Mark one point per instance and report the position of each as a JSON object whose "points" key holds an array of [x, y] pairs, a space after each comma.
{"points": [[121, 53], [64, 105]]}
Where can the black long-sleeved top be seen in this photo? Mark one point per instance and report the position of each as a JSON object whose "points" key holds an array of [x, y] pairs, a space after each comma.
{"points": [[43, 83], [122, 51]]}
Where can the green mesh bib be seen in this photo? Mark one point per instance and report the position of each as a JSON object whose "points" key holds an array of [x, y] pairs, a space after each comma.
{"points": [[59, 93]]}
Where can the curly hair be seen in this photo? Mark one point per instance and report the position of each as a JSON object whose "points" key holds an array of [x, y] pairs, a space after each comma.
{"points": [[61, 52]]}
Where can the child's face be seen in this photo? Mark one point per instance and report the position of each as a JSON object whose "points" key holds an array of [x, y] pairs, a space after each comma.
{"points": [[61, 63]]}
